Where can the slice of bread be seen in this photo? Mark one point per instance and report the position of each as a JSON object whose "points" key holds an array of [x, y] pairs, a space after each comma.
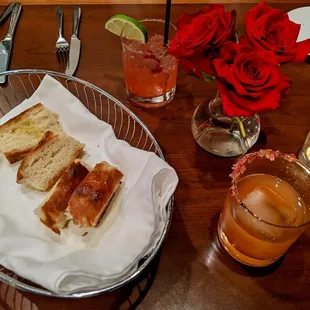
{"points": [[91, 198], [22, 133], [51, 211], [43, 166]]}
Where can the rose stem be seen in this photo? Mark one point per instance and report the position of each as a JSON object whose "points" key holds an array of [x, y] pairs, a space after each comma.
{"points": [[241, 127], [237, 119], [232, 125], [237, 36]]}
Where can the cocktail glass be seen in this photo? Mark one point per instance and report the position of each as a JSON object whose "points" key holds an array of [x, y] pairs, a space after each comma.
{"points": [[267, 207], [150, 72]]}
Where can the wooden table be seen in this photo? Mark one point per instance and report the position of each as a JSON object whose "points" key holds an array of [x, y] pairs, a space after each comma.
{"points": [[79, 2], [194, 272]]}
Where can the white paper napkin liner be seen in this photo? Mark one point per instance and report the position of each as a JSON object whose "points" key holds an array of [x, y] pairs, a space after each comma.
{"points": [[63, 279]]}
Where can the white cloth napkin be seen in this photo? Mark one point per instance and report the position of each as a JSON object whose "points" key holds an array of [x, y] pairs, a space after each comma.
{"points": [[128, 231]]}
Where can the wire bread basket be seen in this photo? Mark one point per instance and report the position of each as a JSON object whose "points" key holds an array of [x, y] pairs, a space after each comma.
{"points": [[20, 85]]}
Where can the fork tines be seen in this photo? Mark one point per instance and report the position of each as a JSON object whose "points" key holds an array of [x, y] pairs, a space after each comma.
{"points": [[62, 53], [62, 46]]}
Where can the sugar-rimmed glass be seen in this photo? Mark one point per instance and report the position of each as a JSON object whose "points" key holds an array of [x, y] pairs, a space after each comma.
{"points": [[267, 207]]}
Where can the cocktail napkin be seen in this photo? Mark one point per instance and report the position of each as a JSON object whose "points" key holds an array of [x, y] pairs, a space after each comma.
{"points": [[128, 231]]}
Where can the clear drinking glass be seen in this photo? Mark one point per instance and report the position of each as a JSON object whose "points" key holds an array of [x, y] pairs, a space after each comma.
{"points": [[304, 154], [150, 72], [267, 207]]}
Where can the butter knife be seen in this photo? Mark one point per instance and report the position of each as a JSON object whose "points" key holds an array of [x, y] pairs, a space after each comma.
{"points": [[75, 44], [6, 12], [7, 42]]}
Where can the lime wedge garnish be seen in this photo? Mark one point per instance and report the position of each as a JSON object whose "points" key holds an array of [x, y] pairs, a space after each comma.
{"points": [[133, 29]]}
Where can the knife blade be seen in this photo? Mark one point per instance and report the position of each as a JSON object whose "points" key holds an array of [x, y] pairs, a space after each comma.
{"points": [[7, 43], [75, 44]]}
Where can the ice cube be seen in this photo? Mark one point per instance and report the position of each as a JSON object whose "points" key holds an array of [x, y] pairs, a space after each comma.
{"points": [[168, 63], [156, 41], [156, 46], [269, 205], [255, 227], [135, 45], [152, 64], [259, 203]]}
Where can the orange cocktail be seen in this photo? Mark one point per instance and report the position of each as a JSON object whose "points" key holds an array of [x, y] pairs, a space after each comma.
{"points": [[266, 209], [150, 72]]}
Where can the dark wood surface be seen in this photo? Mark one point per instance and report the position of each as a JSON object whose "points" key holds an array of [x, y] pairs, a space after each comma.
{"points": [[194, 272], [74, 2]]}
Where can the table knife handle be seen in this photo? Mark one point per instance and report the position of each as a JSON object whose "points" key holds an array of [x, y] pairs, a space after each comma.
{"points": [[76, 20], [8, 10], [60, 17], [14, 19]]}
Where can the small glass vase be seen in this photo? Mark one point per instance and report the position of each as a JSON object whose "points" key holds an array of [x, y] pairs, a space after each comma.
{"points": [[222, 135]]}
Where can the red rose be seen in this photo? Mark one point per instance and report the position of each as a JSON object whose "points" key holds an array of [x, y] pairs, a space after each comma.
{"points": [[200, 32], [270, 29], [249, 80]]}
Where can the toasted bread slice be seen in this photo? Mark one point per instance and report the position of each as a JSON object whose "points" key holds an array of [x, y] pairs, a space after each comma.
{"points": [[91, 198], [43, 166], [22, 133], [51, 211]]}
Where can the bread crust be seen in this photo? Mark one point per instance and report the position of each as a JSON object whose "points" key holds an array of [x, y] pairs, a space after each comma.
{"points": [[91, 198], [47, 138], [38, 106], [17, 155], [52, 210]]}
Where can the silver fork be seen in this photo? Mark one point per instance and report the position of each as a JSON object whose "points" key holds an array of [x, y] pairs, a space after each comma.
{"points": [[62, 46]]}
